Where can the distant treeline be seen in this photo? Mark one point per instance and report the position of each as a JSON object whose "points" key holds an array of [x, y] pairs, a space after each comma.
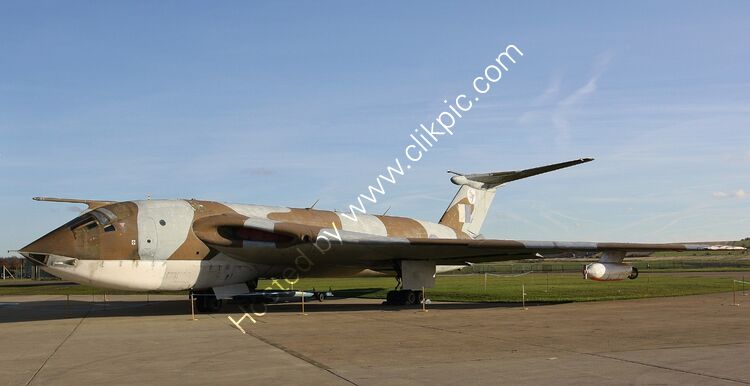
{"points": [[11, 262]]}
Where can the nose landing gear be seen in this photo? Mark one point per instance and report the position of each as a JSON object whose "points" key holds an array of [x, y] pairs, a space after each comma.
{"points": [[206, 301]]}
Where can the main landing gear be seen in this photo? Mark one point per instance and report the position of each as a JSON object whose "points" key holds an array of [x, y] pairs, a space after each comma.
{"points": [[404, 297]]}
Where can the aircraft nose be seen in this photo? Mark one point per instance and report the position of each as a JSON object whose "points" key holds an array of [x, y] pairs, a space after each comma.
{"points": [[59, 242]]}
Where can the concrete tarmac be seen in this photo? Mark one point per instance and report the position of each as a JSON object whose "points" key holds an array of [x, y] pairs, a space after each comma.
{"points": [[685, 340]]}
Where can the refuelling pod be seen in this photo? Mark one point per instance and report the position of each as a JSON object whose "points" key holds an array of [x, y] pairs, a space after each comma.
{"points": [[609, 271]]}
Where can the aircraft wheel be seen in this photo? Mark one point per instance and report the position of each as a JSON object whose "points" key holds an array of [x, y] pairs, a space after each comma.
{"points": [[404, 297], [320, 296], [396, 298], [207, 302], [410, 297], [215, 304], [200, 303], [391, 298]]}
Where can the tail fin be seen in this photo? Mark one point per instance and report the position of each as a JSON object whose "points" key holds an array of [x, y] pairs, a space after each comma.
{"points": [[469, 207]]}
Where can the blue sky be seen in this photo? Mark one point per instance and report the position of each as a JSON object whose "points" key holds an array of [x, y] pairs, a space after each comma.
{"points": [[284, 103]]}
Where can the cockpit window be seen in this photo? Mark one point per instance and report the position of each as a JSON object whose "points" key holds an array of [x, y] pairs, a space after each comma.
{"points": [[91, 220], [104, 216], [87, 219]]}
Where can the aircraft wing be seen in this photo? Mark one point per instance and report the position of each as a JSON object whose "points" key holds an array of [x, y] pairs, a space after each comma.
{"points": [[446, 251]]}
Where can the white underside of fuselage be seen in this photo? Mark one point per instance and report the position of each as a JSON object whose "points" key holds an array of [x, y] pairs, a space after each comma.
{"points": [[154, 275], [178, 275]]}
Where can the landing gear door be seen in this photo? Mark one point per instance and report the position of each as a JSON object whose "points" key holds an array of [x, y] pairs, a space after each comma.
{"points": [[147, 240], [416, 274]]}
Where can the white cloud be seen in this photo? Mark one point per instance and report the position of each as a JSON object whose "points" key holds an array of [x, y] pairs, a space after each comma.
{"points": [[739, 158], [564, 107], [558, 113], [740, 193], [552, 90]]}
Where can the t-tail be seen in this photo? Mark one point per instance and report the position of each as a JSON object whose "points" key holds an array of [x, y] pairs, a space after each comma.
{"points": [[469, 207]]}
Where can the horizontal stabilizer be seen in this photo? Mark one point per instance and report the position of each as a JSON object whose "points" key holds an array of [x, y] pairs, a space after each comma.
{"points": [[491, 180]]}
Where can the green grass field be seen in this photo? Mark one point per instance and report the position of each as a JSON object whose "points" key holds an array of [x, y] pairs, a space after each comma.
{"points": [[704, 261], [540, 287]]}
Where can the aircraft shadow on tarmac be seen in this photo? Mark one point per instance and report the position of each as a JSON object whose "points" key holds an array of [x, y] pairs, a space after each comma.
{"points": [[28, 311]]}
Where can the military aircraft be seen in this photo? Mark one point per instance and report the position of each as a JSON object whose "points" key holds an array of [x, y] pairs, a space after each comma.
{"points": [[220, 250]]}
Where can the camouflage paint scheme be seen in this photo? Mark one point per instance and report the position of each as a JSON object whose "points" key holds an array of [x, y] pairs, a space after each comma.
{"points": [[194, 244]]}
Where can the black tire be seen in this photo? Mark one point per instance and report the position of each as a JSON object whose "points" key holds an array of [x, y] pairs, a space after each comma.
{"points": [[410, 297], [397, 298], [207, 302], [215, 304], [420, 296], [634, 274], [200, 303], [320, 296], [391, 298]]}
